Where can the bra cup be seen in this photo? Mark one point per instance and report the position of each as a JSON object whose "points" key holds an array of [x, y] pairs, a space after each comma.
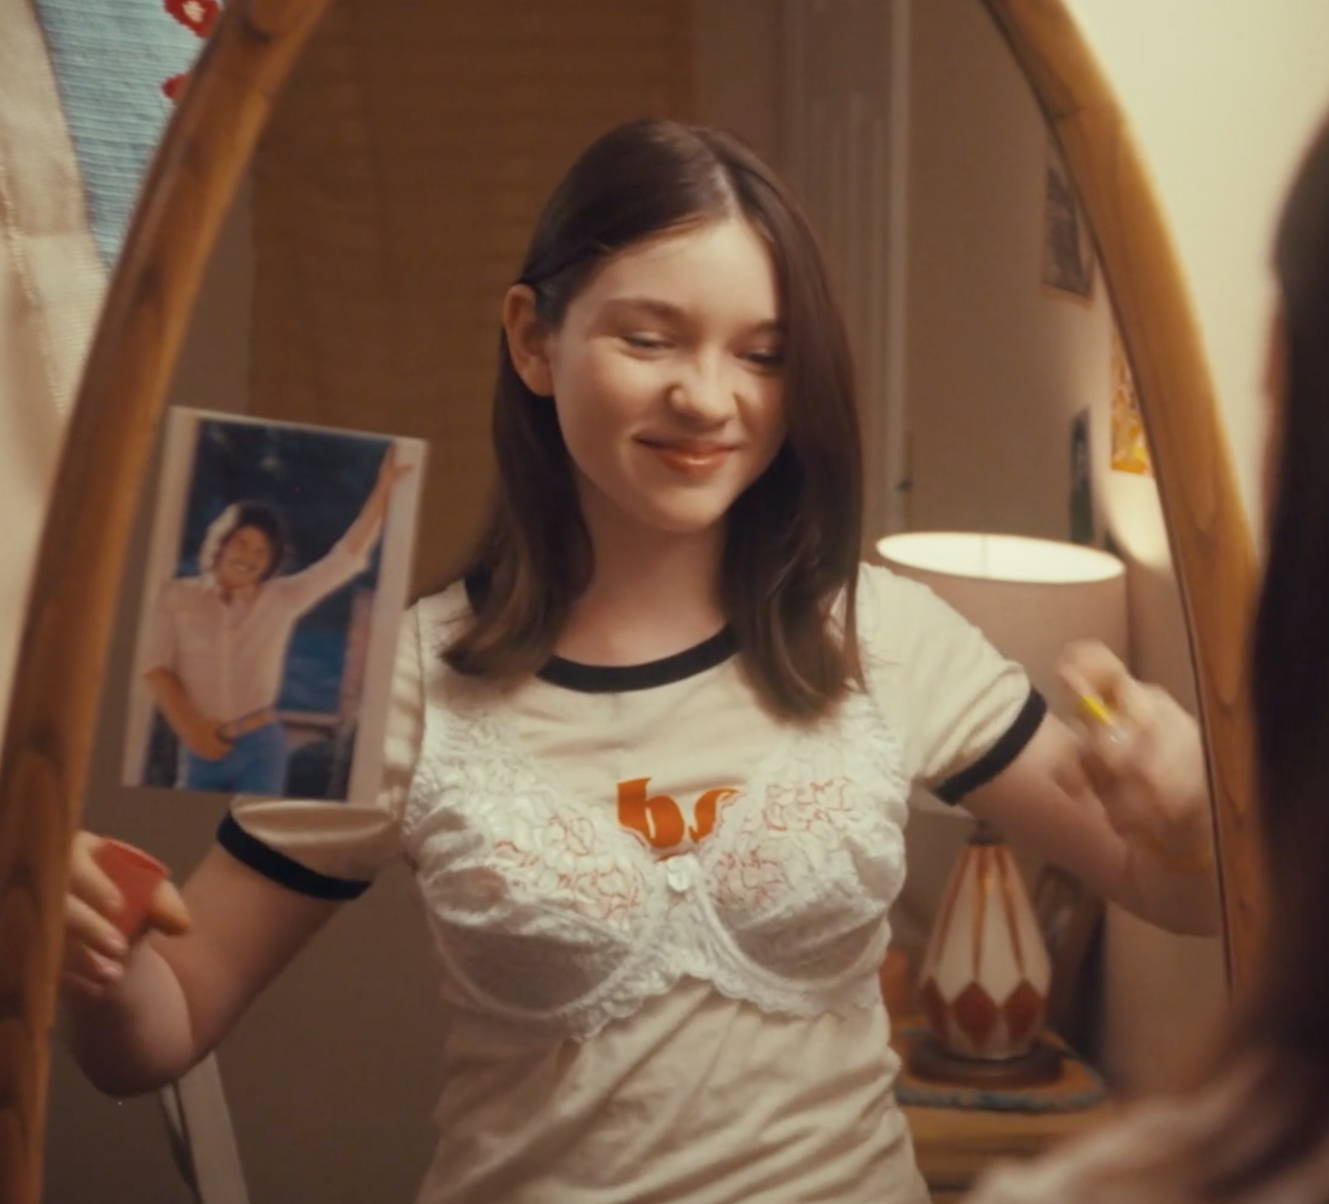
{"points": [[804, 879], [546, 911], [530, 915], [539, 969]]}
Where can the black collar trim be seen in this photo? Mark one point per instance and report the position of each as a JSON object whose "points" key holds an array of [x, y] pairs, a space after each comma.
{"points": [[619, 679]]}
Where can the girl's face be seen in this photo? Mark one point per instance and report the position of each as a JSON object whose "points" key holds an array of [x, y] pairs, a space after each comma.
{"points": [[667, 377], [243, 559]]}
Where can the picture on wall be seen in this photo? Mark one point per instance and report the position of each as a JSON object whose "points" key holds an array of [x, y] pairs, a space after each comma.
{"points": [[1068, 251], [1082, 481], [1130, 447], [275, 582]]}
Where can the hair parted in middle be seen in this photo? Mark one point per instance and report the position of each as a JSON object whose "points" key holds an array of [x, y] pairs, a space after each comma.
{"points": [[792, 538]]}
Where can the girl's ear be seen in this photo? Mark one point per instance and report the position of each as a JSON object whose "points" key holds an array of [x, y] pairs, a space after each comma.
{"points": [[528, 340]]}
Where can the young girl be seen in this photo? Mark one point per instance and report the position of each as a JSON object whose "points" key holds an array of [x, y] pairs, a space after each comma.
{"points": [[649, 762]]}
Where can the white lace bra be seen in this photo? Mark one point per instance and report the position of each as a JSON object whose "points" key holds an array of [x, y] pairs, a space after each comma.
{"points": [[549, 913]]}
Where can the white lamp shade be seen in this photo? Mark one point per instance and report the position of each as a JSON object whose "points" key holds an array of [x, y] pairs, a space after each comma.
{"points": [[1030, 597], [985, 976]]}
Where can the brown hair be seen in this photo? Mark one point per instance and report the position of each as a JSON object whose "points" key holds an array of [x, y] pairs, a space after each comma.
{"points": [[1284, 1019], [792, 538]]}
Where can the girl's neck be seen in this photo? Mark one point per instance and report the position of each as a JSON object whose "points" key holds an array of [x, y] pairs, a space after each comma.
{"points": [[652, 594]]}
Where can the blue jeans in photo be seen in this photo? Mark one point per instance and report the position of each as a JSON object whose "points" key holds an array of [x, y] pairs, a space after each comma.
{"points": [[256, 764]]}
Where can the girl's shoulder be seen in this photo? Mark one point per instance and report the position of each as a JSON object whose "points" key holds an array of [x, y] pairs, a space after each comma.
{"points": [[891, 609], [878, 585]]}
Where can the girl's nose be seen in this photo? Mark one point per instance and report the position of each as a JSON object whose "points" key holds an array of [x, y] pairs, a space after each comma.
{"points": [[704, 396]]}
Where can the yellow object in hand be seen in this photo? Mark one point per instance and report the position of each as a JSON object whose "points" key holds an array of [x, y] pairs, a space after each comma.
{"points": [[1198, 861], [1097, 709]]}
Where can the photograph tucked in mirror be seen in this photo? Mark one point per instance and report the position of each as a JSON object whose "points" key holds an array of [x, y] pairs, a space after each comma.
{"points": [[270, 607]]}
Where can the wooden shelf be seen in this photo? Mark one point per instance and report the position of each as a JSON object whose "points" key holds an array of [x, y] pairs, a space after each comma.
{"points": [[954, 1145]]}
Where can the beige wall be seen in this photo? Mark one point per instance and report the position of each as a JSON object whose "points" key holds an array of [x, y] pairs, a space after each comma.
{"points": [[998, 363], [735, 70], [1222, 96]]}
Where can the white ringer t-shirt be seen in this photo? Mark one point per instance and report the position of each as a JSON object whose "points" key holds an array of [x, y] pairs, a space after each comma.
{"points": [[660, 909]]}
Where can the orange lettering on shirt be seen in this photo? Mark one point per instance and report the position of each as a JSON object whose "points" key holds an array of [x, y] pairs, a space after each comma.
{"points": [[705, 810], [658, 819]]}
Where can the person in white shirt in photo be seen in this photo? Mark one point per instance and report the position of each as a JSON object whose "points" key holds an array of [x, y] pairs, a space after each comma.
{"points": [[216, 648]]}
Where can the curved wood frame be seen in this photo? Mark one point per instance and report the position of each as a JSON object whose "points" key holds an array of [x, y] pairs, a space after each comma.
{"points": [[66, 636], [1211, 542], [67, 628]]}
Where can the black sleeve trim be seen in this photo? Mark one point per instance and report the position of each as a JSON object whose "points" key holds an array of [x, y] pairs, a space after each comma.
{"points": [[282, 869], [1000, 755]]}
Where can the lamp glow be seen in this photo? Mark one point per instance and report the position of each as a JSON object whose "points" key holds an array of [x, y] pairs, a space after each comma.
{"points": [[985, 977]]}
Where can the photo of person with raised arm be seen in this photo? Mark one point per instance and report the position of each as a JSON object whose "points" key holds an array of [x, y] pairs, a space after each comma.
{"points": [[218, 651]]}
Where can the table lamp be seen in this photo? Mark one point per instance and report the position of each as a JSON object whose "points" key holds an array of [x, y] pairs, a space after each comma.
{"points": [[985, 975]]}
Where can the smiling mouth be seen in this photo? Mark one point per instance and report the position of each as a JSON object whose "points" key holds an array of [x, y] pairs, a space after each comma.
{"points": [[690, 458]]}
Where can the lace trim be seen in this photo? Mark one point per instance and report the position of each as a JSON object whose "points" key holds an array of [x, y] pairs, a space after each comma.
{"points": [[535, 895]]}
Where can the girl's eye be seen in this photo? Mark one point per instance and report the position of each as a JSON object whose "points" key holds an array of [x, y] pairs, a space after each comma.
{"points": [[768, 361], [646, 342]]}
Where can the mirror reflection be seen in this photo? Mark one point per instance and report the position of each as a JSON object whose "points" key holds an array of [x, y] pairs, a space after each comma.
{"points": [[1021, 419], [361, 273]]}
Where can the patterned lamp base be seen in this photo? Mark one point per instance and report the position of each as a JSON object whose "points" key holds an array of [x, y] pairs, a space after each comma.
{"points": [[984, 980]]}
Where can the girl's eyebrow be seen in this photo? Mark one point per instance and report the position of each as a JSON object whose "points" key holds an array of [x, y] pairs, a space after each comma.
{"points": [[669, 312], [650, 305]]}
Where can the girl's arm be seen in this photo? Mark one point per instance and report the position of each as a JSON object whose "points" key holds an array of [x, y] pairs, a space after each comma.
{"points": [[1126, 808], [141, 1013]]}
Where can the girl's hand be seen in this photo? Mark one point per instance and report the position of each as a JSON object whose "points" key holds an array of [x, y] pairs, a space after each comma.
{"points": [[1144, 757], [95, 949]]}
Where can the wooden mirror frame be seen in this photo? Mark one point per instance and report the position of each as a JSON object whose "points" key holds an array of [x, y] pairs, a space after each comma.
{"points": [[1212, 550], [67, 630]]}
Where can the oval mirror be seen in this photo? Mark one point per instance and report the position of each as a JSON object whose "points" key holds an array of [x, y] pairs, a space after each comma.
{"points": [[335, 256]]}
